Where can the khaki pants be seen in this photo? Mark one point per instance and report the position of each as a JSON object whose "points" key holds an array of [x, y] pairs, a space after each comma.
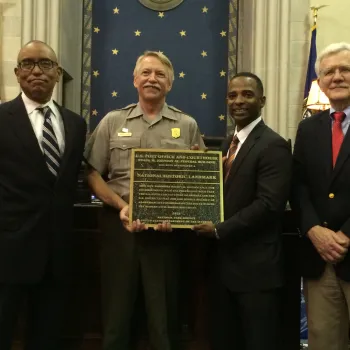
{"points": [[127, 260], [328, 310]]}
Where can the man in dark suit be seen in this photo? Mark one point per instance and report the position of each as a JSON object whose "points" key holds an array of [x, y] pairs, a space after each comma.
{"points": [[247, 264], [321, 198], [41, 147]]}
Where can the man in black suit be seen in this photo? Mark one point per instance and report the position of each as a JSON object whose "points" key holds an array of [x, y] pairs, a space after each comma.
{"points": [[41, 147], [321, 198], [247, 265]]}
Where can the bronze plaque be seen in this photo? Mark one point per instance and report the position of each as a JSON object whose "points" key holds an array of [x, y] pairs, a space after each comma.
{"points": [[182, 187], [161, 5]]}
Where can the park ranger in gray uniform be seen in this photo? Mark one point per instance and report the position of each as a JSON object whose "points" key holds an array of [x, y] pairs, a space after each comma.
{"points": [[130, 257]]}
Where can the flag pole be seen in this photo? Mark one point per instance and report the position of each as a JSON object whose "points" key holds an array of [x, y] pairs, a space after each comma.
{"points": [[315, 10]]}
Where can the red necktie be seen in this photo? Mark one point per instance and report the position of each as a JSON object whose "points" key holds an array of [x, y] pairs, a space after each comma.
{"points": [[337, 134], [231, 155]]}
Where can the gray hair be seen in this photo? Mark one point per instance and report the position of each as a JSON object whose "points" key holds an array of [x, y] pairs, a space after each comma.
{"points": [[330, 50], [162, 58]]}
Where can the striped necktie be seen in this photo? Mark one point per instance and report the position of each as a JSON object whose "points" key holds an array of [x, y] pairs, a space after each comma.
{"points": [[49, 143], [231, 156]]}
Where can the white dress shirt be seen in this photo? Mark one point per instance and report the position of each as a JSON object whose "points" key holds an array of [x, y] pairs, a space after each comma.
{"points": [[37, 120], [244, 133]]}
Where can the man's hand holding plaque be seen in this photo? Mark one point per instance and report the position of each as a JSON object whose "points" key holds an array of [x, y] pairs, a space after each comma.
{"points": [[206, 229], [138, 226], [135, 226]]}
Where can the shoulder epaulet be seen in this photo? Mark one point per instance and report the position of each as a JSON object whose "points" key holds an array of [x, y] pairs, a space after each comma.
{"points": [[132, 105], [177, 110], [125, 108]]}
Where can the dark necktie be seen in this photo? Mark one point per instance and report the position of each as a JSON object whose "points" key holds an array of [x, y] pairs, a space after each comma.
{"points": [[49, 143], [337, 134], [230, 156]]}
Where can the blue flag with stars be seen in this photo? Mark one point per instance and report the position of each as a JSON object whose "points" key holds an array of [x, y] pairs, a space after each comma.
{"points": [[194, 36]]}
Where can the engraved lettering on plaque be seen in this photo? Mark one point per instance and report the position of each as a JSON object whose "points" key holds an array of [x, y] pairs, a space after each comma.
{"points": [[183, 187]]}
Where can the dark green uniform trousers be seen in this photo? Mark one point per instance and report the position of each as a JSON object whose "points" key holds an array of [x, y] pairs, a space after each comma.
{"points": [[125, 258]]}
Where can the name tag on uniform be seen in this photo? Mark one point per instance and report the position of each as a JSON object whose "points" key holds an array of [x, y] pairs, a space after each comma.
{"points": [[124, 134]]}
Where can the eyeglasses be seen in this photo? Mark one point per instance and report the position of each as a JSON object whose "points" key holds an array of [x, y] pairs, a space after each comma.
{"points": [[45, 64]]}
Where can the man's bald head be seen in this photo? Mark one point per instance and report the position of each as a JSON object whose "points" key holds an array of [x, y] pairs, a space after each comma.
{"points": [[34, 43]]}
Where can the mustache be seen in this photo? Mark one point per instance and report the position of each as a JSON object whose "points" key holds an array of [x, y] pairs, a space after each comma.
{"points": [[151, 86]]}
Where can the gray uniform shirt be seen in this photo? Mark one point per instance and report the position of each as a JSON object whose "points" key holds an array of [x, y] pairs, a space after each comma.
{"points": [[109, 148]]}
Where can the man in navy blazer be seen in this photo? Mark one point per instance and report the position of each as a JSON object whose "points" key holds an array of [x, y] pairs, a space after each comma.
{"points": [[247, 267], [321, 198], [36, 200]]}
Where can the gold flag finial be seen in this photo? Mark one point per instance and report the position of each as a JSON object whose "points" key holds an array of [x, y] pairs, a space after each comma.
{"points": [[315, 11]]}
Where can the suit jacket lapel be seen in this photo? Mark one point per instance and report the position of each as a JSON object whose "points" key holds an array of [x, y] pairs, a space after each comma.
{"points": [[324, 139], [342, 157], [68, 136], [248, 144], [226, 145], [23, 129]]}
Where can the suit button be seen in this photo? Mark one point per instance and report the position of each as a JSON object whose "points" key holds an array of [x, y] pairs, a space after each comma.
{"points": [[325, 224], [331, 195]]}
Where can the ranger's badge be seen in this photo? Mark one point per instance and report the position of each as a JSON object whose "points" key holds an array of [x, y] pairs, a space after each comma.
{"points": [[175, 133]]}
